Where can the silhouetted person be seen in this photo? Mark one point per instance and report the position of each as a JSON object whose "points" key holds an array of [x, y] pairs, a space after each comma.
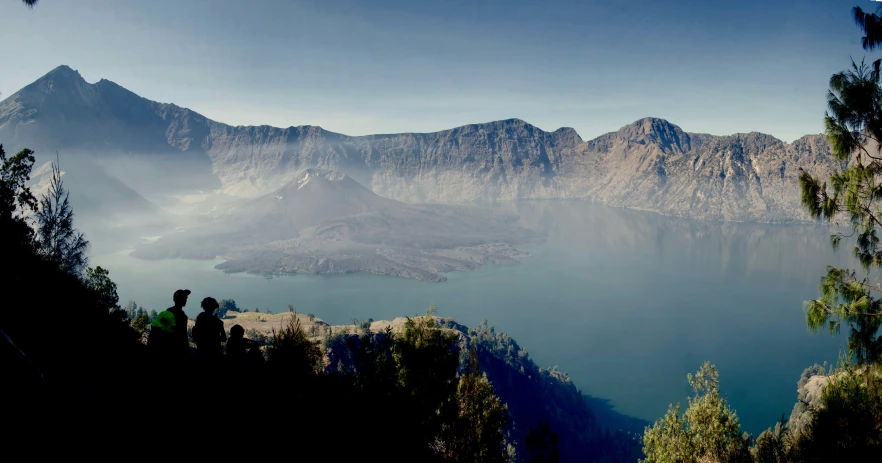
{"points": [[243, 358], [209, 332], [237, 358], [236, 344], [168, 332], [239, 348]]}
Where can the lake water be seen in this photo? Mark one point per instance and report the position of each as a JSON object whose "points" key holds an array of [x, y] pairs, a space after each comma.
{"points": [[627, 303]]}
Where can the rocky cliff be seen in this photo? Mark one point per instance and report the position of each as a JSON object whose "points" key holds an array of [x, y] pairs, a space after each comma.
{"points": [[650, 164]]}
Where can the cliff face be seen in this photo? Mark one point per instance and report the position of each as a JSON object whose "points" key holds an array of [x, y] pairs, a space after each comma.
{"points": [[650, 164]]}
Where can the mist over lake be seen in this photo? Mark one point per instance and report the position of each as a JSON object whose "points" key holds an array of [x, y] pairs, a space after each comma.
{"points": [[626, 302]]}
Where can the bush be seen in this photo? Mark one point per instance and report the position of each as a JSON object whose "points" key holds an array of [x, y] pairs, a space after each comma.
{"points": [[292, 352]]}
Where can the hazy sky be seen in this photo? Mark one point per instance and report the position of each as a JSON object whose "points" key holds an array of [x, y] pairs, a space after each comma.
{"points": [[361, 67]]}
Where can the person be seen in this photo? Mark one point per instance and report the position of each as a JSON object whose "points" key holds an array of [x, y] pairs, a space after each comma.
{"points": [[168, 332], [238, 347], [243, 358], [209, 331]]}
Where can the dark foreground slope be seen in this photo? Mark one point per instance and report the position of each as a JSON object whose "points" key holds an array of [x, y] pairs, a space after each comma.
{"points": [[650, 164]]}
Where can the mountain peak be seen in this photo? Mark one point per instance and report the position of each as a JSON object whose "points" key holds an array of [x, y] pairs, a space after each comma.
{"points": [[326, 174], [63, 72], [656, 131], [312, 175], [496, 125], [61, 78], [652, 124]]}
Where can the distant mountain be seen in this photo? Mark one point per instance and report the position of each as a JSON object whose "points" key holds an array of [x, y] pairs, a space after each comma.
{"points": [[111, 214], [312, 198], [325, 222], [650, 164]]}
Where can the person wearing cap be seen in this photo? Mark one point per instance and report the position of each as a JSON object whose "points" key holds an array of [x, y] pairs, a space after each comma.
{"points": [[168, 332]]}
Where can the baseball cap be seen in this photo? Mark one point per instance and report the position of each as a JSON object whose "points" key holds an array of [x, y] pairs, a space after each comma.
{"points": [[181, 293]]}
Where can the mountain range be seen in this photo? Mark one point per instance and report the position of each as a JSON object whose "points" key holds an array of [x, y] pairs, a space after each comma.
{"points": [[164, 151]]}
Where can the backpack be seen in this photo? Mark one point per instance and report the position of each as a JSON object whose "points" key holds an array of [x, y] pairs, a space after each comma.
{"points": [[161, 330]]}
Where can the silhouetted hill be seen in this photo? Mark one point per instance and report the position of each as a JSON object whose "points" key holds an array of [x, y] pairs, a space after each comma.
{"points": [[588, 427]]}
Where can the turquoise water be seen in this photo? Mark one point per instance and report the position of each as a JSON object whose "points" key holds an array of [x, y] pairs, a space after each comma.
{"points": [[625, 302]]}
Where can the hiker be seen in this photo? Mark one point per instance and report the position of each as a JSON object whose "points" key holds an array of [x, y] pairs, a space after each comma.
{"points": [[238, 346], [168, 332], [209, 331], [241, 351]]}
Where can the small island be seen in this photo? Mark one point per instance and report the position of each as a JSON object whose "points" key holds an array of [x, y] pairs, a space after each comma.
{"points": [[323, 222]]}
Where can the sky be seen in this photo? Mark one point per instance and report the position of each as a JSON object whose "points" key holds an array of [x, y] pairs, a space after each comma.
{"points": [[388, 66]]}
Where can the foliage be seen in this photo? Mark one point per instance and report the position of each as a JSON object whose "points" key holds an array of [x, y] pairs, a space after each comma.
{"points": [[291, 350], [773, 445], [15, 199], [707, 431], [259, 337], [854, 129], [847, 425], [224, 306], [476, 432], [520, 383], [91, 360], [141, 324], [871, 25], [98, 281], [427, 360], [139, 319], [58, 240]]}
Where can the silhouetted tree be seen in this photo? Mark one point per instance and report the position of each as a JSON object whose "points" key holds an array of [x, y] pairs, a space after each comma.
{"points": [[871, 25], [427, 360], [15, 200], [98, 281], [292, 352], [476, 432], [58, 239]]}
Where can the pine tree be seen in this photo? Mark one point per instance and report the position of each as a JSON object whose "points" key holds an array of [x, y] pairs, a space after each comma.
{"points": [[854, 130], [58, 240], [15, 200]]}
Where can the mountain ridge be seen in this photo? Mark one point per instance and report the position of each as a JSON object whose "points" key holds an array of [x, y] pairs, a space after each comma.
{"points": [[650, 164]]}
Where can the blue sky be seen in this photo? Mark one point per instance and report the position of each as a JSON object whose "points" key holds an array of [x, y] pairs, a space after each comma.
{"points": [[361, 67]]}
